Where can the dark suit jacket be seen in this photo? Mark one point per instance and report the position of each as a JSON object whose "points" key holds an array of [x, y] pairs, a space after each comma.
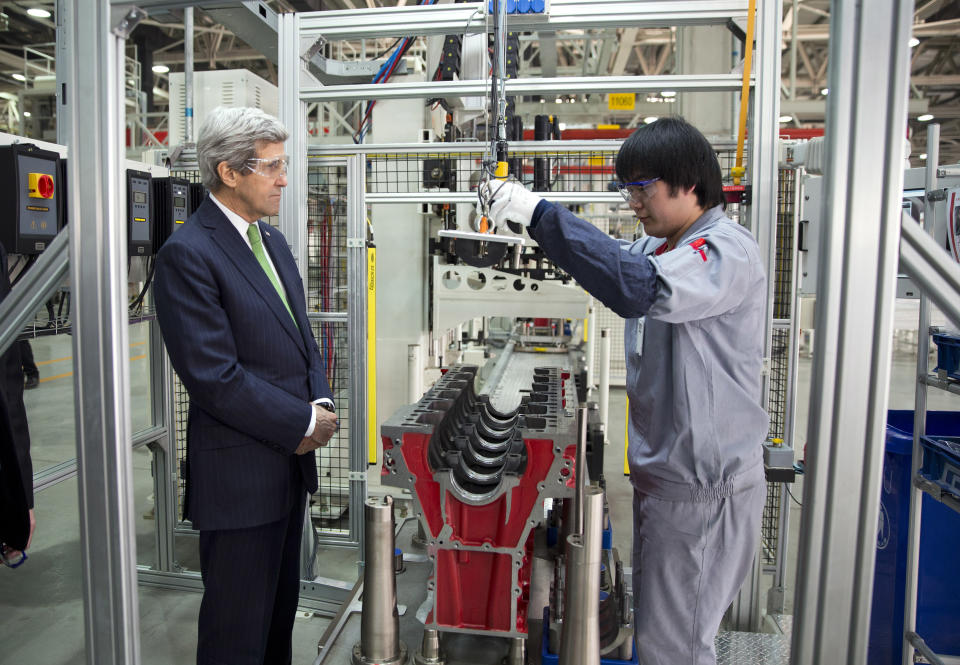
{"points": [[15, 432], [250, 371]]}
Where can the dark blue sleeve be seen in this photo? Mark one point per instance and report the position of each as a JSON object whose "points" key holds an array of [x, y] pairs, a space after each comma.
{"points": [[624, 282]]}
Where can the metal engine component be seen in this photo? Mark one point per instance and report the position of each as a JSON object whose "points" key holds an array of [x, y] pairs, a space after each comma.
{"points": [[615, 609], [379, 621], [580, 641], [479, 479]]}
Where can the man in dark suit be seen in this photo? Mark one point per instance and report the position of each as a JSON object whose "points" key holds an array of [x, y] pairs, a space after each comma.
{"points": [[16, 435], [232, 311]]}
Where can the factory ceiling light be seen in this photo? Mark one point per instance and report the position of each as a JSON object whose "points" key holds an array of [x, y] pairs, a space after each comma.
{"points": [[668, 93], [160, 69], [19, 77], [649, 119], [926, 117], [38, 12], [913, 42], [786, 118]]}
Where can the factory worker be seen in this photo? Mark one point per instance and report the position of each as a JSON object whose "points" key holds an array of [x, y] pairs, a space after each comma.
{"points": [[693, 294]]}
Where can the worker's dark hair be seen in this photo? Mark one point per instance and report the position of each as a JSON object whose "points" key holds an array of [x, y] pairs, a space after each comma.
{"points": [[676, 152]]}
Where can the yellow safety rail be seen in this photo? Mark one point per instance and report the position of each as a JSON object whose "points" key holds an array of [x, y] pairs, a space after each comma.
{"points": [[738, 170], [372, 353]]}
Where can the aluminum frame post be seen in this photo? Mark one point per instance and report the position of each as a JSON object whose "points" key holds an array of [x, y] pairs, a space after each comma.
{"points": [[293, 114], [357, 330], [866, 119], [98, 253], [919, 412]]}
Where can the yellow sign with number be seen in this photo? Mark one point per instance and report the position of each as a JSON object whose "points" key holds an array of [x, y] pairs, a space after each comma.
{"points": [[621, 101]]}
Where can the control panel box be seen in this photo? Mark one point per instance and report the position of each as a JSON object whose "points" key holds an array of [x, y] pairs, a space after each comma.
{"points": [[31, 200], [171, 206], [139, 213]]}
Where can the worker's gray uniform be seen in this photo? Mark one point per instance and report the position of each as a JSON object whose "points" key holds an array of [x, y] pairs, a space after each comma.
{"points": [[694, 347]]}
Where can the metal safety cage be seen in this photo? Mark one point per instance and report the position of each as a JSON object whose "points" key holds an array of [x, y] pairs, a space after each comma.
{"points": [[402, 180], [336, 304]]}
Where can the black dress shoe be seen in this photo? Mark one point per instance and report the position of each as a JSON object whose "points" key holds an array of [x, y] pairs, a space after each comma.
{"points": [[31, 382]]}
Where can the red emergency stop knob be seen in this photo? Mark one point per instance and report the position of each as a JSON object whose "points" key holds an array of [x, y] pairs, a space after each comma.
{"points": [[45, 186]]}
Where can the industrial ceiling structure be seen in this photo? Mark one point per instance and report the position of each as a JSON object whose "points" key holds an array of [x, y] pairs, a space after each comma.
{"points": [[227, 35]]}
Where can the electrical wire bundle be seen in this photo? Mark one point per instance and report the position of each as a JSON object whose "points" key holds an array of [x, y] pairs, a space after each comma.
{"points": [[383, 75]]}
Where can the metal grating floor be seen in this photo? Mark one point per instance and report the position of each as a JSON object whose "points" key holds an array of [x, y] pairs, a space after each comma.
{"points": [[734, 648]]}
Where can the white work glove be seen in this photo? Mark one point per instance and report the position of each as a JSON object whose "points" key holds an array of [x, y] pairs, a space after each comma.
{"points": [[510, 202]]}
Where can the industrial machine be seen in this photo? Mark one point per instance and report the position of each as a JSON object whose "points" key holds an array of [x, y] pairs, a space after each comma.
{"points": [[493, 492]]}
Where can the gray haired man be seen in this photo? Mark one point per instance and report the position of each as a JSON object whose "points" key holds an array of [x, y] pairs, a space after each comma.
{"points": [[232, 311]]}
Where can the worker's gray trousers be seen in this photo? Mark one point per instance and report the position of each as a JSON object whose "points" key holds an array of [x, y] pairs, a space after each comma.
{"points": [[689, 560]]}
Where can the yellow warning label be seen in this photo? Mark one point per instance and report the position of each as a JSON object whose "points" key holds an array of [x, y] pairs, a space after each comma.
{"points": [[38, 208], [621, 101], [139, 219], [601, 126]]}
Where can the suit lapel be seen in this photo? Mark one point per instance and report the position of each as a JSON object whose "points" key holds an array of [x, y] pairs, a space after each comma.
{"points": [[226, 236]]}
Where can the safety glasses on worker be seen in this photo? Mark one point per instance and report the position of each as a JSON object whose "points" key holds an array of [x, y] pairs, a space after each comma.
{"points": [[637, 191], [274, 167]]}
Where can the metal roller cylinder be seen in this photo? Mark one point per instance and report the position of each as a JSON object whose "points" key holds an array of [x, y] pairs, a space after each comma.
{"points": [[580, 642], [518, 652], [430, 653], [379, 622]]}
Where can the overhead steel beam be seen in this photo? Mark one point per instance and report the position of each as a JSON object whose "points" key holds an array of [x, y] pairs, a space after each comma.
{"points": [[470, 18], [866, 121], [817, 108], [252, 21], [525, 86]]}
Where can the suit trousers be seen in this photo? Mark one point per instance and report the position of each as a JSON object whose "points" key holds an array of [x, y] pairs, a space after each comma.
{"points": [[689, 560], [251, 581]]}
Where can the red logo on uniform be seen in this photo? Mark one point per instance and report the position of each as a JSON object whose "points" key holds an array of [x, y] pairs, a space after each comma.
{"points": [[699, 246]]}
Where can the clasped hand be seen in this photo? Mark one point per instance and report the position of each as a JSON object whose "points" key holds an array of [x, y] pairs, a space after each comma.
{"points": [[323, 430]]}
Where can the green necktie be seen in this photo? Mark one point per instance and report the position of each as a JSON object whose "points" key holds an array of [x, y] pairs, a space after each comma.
{"points": [[256, 244]]}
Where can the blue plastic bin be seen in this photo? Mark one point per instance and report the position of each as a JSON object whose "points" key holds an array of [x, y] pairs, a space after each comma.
{"points": [[938, 609], [948, 355]]}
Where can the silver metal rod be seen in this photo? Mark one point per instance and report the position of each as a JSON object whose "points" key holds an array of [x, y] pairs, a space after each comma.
{"points": [[591, 324], [414, 374], [580, 641], [526, 86], [919, 410], [921, 646], [36, 287], [188, 75], [379, 621], [581, 470], [793, 50], [518, 652], [605, 380], [429, 653], [443, 19], [931, 268]]}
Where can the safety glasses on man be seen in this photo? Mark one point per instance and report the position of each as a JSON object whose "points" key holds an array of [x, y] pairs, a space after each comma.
{"points": [[638, 191], [272, 167]]}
